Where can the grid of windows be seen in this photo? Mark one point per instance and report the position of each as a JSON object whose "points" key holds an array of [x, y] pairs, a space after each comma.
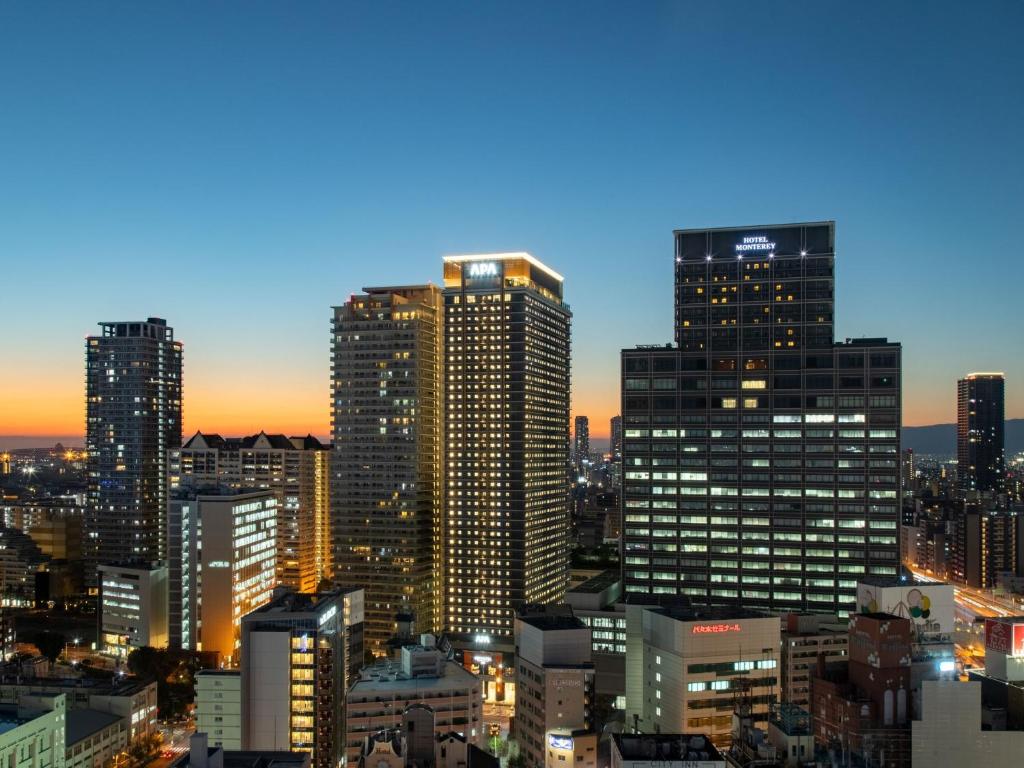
{"points": [[768, 474]]}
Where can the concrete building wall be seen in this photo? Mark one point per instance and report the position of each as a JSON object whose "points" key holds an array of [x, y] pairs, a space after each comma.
{"points": [[267, 719], [949, 731]]}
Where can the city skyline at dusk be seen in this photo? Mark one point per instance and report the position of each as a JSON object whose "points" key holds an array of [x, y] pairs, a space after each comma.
{"points": [[242, 195]]}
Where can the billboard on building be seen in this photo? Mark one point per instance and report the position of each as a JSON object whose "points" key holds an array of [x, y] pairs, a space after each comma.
{"points": [[929, 607], [1004, 636]]}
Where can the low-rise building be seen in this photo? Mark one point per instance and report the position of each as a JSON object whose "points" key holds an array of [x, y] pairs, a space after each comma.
{"points": [[861, 707], [664, 750], [950, 730], [219, 707], [32, 736], [133, 608], [597, 603], [132, 701], [554, 691], [806, 637], [93, 738], [202, 755], [685, 665], [424, 675]]}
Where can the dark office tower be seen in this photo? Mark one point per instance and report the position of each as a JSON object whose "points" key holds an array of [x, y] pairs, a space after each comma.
{"points": [[507, 441], [387, 473], [581, 441], [979, 432], [133, 416], [761, 460]]}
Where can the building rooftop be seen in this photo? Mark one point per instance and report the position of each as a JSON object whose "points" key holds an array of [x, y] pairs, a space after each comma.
{"points": [[666, 747], [9, 720], [388, 676], [547, 622], [688, 612], [83, 723], [298, 602], [599, 583], [261, 440]]}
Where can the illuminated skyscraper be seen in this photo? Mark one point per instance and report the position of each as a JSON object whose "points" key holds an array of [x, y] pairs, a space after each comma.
{"points": [[581, 441], [980, 451], [386, 490], [291, 467], [506, 441], [761, 459], [133, 416]]}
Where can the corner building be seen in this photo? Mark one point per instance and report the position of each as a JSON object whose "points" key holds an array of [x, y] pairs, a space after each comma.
{"points": [[506, 441], [760, 457]]}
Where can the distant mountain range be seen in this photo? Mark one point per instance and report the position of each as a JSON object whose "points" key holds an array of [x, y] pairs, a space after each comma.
{"points": [[941, 438]]}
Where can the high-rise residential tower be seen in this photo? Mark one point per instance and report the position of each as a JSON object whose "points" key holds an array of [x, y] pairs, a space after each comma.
{"points": [[386, 490], [506, 441], [761, 459], [581, 441], [615, 438], [980, 450], [133, 399]]}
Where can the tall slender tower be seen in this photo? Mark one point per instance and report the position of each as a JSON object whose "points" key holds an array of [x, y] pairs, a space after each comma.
{"points": [[133, 416], [506, 441], [386, 489], [761, 458], [581, 441], [980, 450]]}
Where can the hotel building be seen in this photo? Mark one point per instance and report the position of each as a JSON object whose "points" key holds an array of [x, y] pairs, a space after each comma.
{"points": [[133, 417], [980, 448], [506, 421], [386, 490], [761, 459]]}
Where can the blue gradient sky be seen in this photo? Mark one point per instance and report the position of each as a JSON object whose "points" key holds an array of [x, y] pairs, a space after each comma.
{"points": [[240, 167]]}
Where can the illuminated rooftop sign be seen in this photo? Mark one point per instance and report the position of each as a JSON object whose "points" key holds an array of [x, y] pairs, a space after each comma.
{"points": [[755, 243], [714, 629], [483, 269]]}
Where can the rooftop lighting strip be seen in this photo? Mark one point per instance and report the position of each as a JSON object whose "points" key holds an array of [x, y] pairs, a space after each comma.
{"points": [[504, 257]]}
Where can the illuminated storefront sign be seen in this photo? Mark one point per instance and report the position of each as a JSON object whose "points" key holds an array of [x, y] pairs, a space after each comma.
{"points": [[483, 269], [560, 742], [755, 243], [1004, 637], [713, 629]]}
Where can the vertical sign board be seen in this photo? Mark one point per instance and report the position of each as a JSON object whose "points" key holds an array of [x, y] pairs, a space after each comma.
{"points": [[1004, 637]]}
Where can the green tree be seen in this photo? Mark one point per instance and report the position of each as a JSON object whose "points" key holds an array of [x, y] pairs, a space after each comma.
{"points": [[50, 644]]}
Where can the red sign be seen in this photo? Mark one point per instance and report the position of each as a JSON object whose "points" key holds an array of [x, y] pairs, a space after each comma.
{"points": [[1004, 637], [710, 629]]}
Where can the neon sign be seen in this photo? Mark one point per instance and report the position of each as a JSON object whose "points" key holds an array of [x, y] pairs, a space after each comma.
{"points": [[329, 614], [755, 243], [483, 269], [713, 629]]}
